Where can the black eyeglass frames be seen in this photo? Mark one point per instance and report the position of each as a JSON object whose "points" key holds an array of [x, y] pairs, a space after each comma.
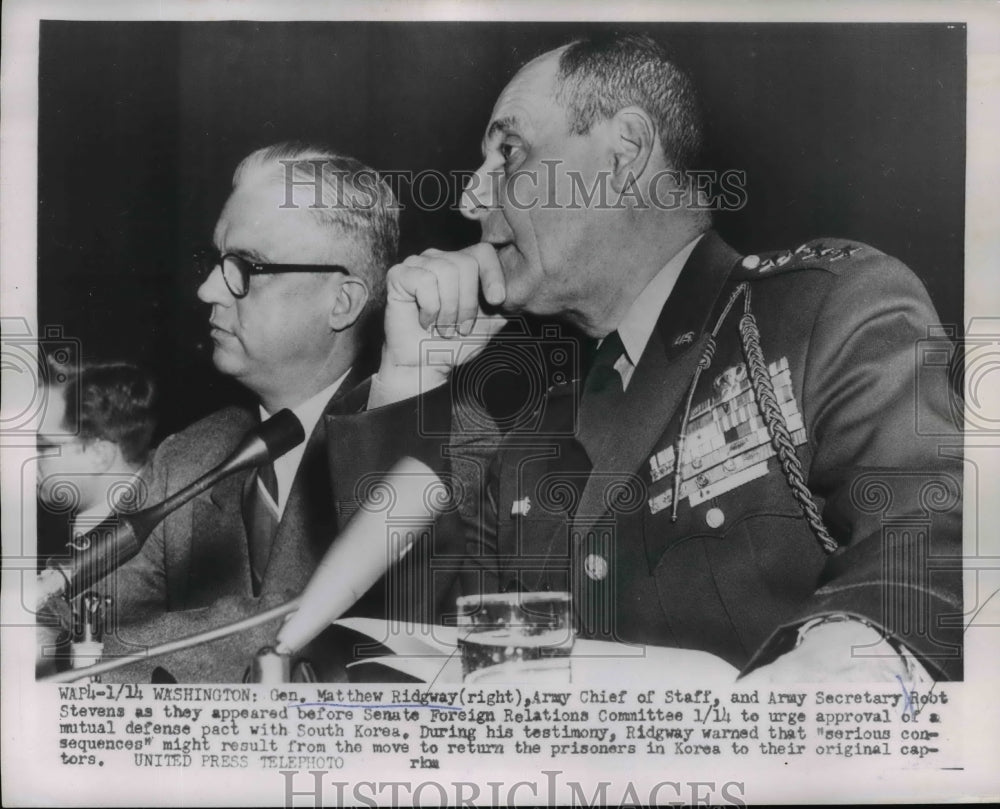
{"points": [[236, 270]]}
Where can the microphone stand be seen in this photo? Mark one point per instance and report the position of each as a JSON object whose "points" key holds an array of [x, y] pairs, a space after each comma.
{"points": [[329, 594], [122, 536], [175, 645]]}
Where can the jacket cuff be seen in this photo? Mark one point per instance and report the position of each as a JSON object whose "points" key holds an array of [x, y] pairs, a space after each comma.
{"points": [[938, 648]]}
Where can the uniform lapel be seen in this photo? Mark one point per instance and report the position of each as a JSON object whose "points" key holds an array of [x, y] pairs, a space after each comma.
{"points": [[661, 379], [565, 462]]}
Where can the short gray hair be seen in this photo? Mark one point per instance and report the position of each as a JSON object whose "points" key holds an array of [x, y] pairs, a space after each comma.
{"points": [[605, 73], [354, 199]]}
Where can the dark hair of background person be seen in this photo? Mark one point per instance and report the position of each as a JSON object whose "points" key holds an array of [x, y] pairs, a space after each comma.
{"points": [[113, 401]]}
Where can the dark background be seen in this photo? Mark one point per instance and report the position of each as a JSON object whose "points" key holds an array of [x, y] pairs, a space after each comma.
{"points": [[844, 130]]}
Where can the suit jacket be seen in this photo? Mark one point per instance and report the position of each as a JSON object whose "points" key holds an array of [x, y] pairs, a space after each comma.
{"points": [[193, 572], [841, 326]]}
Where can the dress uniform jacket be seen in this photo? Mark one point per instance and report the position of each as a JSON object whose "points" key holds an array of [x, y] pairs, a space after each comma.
{"points": [[193, 572], [738, 568], [844, 331]]}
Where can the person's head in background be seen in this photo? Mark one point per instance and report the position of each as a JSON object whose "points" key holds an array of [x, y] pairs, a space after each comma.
{"points": [[96, 434], [282, 329]]}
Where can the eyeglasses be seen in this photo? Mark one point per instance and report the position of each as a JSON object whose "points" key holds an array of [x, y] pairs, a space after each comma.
{"points": [[236, 270]]}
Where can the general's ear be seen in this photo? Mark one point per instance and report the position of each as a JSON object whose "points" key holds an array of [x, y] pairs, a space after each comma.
{"points": [[634, 141], [352, 296]]}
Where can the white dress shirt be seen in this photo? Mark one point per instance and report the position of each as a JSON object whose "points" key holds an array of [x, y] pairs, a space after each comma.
{"points": [[640, 320]]}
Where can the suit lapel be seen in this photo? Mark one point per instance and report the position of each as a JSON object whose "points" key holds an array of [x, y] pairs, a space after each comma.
{"points": [[214, 555], [221, 533], [662, 377], [219, 561], [229, 490], [308, 524]]}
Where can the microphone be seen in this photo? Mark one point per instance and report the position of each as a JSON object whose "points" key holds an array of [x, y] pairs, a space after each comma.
{"points": [[366, 549], [121, 536], [358, 558]]}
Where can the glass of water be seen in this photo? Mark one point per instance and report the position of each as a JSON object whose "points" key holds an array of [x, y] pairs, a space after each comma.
{"points": [[515, 637]]}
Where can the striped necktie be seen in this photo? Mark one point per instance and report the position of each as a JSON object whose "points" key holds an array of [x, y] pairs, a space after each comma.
{"points": [[261, 518]]}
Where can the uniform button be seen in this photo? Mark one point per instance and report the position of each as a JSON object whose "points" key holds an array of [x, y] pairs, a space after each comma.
{"points": [[729, 465], [714, 517], [596, 567], [751, 262]]}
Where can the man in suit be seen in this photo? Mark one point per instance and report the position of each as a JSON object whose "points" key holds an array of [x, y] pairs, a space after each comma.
{"points": [[754, 464], [296, 274]]}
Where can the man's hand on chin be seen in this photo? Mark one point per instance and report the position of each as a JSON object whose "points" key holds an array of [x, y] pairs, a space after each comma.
{"points": [[434, 320]]}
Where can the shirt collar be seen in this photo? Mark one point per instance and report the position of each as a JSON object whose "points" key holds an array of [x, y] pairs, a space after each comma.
{"points": [[309, 411], [640, 320]]}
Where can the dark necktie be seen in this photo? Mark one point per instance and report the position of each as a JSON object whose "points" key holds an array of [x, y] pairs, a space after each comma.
{"points": [[260, 516], [602, 394]]}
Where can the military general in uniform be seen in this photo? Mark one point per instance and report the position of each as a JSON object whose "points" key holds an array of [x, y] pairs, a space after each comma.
{"points": [[755, 462]]}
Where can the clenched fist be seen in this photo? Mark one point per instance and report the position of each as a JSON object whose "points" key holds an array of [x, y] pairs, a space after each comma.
{"points": [[434, 320]]}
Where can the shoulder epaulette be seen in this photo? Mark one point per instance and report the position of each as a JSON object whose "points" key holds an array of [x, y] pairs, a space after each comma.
{"points": [[819, 254]]}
